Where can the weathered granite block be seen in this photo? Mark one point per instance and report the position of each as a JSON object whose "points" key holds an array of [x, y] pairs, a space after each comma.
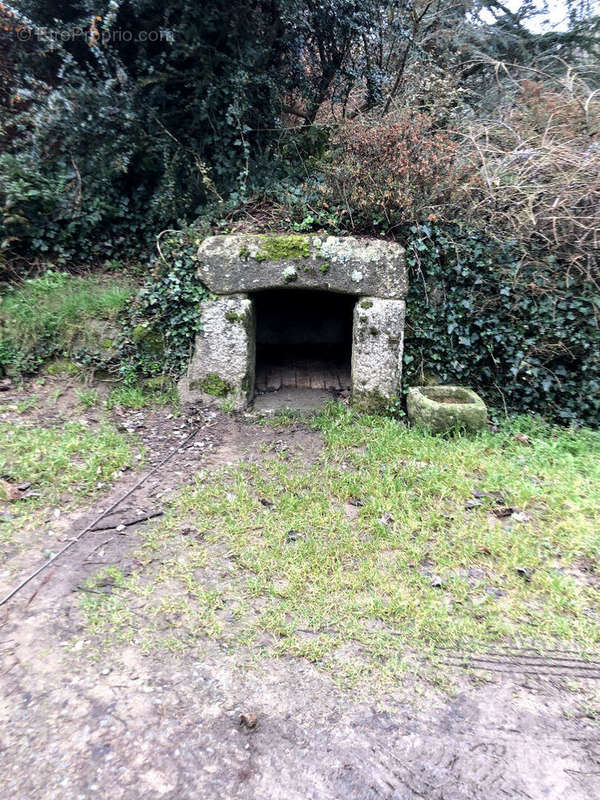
{"points": [[377, 343], [248, 262], [372, 270], [222, 366]]}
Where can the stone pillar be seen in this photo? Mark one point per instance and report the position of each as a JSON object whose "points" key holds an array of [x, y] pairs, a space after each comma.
{"points": [[222, 366], [377, 345]]}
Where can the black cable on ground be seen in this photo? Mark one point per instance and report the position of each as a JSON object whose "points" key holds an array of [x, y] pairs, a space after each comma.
{"points": [[99, 518]]}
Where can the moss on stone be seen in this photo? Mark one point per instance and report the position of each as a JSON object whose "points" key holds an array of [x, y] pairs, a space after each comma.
{"points": [[244, 253], [139, 333], [149, 341], [325, 267], [155, 383], [283, 248], [373, 331], [212, 384], [370, 402], [366, 303], [231, 316]]}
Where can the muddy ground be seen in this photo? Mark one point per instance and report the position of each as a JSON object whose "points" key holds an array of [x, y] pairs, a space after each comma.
{"points": [[212, 724]]}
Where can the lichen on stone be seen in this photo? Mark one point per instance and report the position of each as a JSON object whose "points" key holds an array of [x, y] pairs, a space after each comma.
{"points": [[290, 274], [443, 408]]}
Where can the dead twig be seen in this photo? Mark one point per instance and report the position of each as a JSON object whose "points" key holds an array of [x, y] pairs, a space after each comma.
{"points": [[128, 523], [98, 546]]}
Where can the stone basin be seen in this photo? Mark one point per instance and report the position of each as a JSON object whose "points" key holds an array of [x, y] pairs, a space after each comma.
{"points": [[442, 408]]}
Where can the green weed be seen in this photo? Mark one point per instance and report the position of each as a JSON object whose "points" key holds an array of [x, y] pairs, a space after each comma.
{"points": [[392, 544], [88, 398], [138, 396]]}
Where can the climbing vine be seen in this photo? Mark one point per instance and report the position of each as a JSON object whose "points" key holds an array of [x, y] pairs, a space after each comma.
{"points": [[160, 330], [519, 330]]}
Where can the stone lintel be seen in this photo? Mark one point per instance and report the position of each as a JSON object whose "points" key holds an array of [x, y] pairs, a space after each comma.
{"points": [[251, 262]]}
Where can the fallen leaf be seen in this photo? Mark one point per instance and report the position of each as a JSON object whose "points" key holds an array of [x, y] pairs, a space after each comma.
{"points": [[525, 573], [505, 511], [356, 501], [248, 719], [473, 503], [11, 491], [496, 496]]}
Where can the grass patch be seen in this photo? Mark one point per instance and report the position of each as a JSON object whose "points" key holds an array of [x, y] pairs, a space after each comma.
{"points": [[380, 550], [50, 316], [87, 398], [56, 461], [61, 464], [139, 396]]}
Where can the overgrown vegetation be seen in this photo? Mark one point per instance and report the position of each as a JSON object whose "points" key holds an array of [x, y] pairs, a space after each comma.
{"points": [[380, 175], [389, 546], [61, 316], [457, 129], [521, 331], [166, 315]]}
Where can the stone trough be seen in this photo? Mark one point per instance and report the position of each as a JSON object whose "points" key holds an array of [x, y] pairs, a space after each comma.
{"points": [[312, 312]]}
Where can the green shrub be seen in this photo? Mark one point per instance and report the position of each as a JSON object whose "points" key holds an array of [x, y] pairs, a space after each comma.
{"points": [[165, 317]]}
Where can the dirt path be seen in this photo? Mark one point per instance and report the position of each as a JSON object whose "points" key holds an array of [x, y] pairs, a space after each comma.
{"points": [[135, 726]]}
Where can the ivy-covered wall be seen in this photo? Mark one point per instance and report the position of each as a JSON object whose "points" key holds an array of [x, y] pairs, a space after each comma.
{"points": [[523, 332]]}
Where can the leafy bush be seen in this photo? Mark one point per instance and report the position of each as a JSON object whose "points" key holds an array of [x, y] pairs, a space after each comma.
{"points": [[385, 173], [54, 315], [477, 315]]}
